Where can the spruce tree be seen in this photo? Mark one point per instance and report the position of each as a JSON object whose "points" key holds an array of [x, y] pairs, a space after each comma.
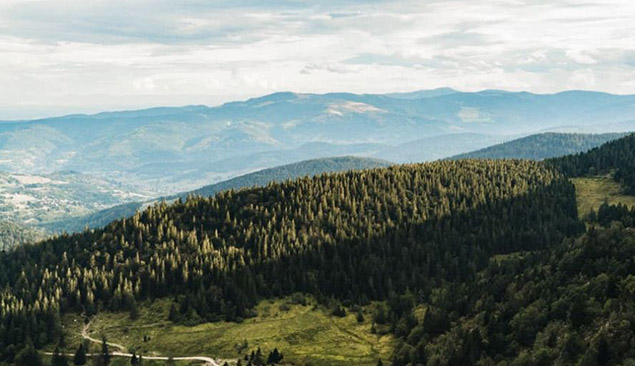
{"points": [[29, 356], [80, 356], [134, 361], [105, 352], [58, 358]]}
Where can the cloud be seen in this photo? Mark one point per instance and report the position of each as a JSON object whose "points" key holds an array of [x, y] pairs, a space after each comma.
{"points": [[78, 56]]}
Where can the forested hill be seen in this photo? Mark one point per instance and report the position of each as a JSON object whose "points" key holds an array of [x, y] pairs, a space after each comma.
{"points": [[615, 157], [281, 173], [259, 178], [542, 146], [570, 305], [353, 237]]}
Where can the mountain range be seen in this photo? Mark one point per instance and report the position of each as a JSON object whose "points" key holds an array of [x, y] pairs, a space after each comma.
{"points": [[162, 151], [66, 173]]}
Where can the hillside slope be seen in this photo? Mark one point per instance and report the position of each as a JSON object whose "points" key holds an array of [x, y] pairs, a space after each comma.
{"points": [[570, 305], [305, 168], [351, 237], [259, 178], [438, 147], [36, 200], [616, 158], [12, 235], [542, 146]]}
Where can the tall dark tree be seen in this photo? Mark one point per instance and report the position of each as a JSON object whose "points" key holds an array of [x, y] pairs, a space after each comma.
{"points": [[29, 356], [134, 360], [58, 359], [80, 356], [105, 352]]}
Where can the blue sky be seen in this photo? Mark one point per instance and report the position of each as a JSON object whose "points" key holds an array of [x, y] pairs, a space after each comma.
{"points": [[67, 56]]}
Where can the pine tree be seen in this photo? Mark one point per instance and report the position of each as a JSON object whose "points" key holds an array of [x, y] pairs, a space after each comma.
{"points": [[29, 356], [134, 361], [274, 357], [134, 310], [259, 358], [58, 358], [174, 313], [360, 316], [105, 352], [80, 356]]}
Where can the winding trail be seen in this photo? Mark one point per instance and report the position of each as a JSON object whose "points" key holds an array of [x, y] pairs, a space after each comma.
{"points": [[122, 351], [86, 335]]}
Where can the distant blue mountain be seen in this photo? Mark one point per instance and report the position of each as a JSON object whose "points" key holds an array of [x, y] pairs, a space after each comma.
{"points": [[542, 146], [167, 150], [420, 94]]}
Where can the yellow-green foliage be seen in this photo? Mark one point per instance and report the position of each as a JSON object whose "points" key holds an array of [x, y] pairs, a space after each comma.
{"points": [[306, 335], [592, 192]]}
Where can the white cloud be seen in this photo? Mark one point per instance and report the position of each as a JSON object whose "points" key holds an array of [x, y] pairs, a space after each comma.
{"points": [[75, 56]]}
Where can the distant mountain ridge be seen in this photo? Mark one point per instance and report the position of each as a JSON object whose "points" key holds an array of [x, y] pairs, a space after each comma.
{"points": [[438, 147], [542, 146], [179, 148]]}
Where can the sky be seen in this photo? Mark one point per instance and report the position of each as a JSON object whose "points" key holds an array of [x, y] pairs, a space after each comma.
{"points": [[83, 56]]}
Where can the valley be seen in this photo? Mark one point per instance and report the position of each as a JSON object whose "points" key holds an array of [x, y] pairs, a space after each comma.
{"points": [[36, 200]]}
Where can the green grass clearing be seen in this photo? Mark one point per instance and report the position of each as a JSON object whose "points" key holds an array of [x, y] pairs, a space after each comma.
{"points": [[306, 335], [592, 192]]}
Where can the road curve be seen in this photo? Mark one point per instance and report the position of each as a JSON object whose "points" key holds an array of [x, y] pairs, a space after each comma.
{"points": [[122, 351], [207, 360]]}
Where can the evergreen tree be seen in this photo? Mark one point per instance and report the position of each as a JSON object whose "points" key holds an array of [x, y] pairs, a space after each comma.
{"points": [[58, 359], [360, 316], [105, 352], [80, 356], [134, 361], [29, 356]]}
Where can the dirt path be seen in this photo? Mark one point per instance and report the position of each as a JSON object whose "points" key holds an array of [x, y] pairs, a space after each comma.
{"points": [[206, 360], [87, 336], [121, 352]]}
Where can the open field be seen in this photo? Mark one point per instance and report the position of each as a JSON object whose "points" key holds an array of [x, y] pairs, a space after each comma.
{"points": [[592, 192], [306, 335]]}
